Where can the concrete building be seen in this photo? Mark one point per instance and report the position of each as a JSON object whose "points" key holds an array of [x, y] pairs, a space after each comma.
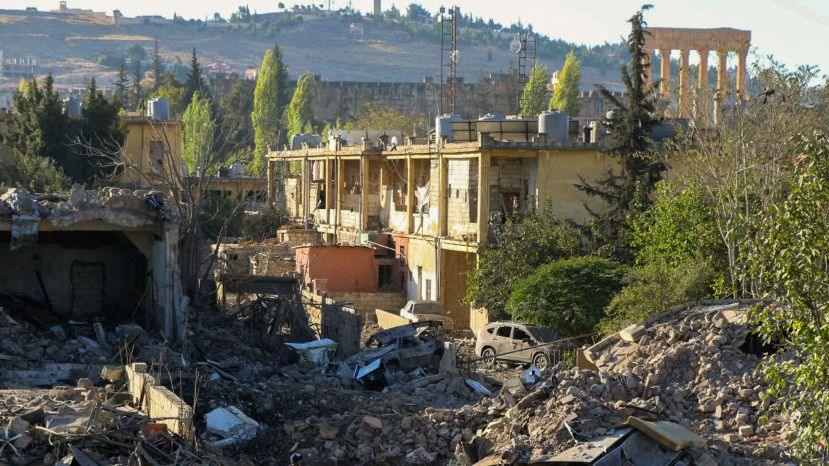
{"points": [[434, 203], [152, 149]]}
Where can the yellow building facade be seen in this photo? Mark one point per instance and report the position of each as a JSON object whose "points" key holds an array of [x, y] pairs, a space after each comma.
{"points": [[151, 151], [435, 202]]}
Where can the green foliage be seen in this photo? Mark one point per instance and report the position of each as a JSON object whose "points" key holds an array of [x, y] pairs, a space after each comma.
{"points": [[535, 98], [653, 288], [262, 225], [267, 105], [566, 95], [300, 116], [121, 84], [102, 135], [195, 81], [373, 115], [627, 191], [234, 123], [525, 241], [789, 260], [33, 173], [199, 128], [174, 92], [568, 295]]}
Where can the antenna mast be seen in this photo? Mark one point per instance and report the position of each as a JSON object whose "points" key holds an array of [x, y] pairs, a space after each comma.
{"points": [[526, 62], [448, 59]]}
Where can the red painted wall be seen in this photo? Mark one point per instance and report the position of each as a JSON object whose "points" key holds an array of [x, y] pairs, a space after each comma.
{"points": [[345, 268]]}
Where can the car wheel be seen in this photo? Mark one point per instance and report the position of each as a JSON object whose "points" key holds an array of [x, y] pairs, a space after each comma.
{"points": [[488, 356], [541, 361]]}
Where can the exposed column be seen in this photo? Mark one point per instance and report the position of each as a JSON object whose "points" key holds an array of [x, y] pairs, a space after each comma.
{"points": [[684, 84], [328, 173], [271, 182], [306, 189], [364, 182], [339, 190], [483, 197], [722, 83], [443, 186], [665, 72], [741, 72], [703, 109], [410, 195]]}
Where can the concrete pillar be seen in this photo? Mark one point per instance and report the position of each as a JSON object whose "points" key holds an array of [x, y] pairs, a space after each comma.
{"points": [[306, 189], [364, 182], [742, 72], [338, 207], [443, 186], [722, 83], [271, 182], [328, 174], [665, 72], [684, 84], [702, 112], [410, 195], [483, 197]]}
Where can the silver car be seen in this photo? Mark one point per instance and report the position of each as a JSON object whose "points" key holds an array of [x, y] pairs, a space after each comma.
{"points": [[515, 342]]}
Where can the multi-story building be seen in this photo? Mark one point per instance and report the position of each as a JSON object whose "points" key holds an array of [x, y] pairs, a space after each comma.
{"points": [[434, 203]]}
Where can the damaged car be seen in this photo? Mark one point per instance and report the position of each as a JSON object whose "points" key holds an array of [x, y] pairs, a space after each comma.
{"points": [[406, 347], [519, 343]]}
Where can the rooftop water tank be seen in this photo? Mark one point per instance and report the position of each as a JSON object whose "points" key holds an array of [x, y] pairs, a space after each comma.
{"points": [[443, 126], [72, 107], [158, 109], [555, 124]]}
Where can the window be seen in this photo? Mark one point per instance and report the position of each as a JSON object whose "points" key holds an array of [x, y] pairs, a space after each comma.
{"points": [[520, 335], [504, 331], [490, 330]]}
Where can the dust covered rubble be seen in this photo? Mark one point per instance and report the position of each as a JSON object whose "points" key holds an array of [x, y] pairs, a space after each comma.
{"points": [[690, 370]]}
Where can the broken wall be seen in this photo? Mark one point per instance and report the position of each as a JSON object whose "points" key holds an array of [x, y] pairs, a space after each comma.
{"points": [[367, 303], [335, 321], [462, 198]]}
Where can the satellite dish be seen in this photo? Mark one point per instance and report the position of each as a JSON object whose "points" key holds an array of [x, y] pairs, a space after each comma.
{"points": [[515, 46]]}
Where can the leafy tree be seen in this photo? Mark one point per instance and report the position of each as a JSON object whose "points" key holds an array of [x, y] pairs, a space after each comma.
{"points": [[373, 115], [195, 81], [136, 53], [267, 114], [789, 260], [102, 132], [566, 95], [417, 13], [199, 128], [33, 173], [655, 287], [568, 295], [236, 129], [137, 94], [535, 98], [300, 116], [121, 85], [526, 240], [158, 67], [627, 191]]}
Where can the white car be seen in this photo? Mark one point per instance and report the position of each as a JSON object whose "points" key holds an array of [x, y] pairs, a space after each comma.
{"points": [[422, 311]]}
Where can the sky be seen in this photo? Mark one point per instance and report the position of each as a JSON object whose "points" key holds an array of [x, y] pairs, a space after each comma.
{"points": [[796, 32]]}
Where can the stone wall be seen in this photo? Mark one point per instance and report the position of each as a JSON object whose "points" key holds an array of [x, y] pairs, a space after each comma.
{"points": [[158, 402], [335, 321], [367, 303], [462, 198]]}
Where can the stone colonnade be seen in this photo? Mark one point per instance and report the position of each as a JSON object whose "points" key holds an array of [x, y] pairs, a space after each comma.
{"points": [[703, 41]]}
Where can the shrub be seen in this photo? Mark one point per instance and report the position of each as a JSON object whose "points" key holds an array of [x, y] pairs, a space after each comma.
{"points": [[568, 295]]}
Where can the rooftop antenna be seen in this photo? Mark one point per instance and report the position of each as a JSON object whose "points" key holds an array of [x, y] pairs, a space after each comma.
{"points": [[524, 46], [448, 58]]}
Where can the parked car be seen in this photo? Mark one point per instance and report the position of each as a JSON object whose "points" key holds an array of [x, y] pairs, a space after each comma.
{"points": [[421, 311], [516, 342], [402, 348]]}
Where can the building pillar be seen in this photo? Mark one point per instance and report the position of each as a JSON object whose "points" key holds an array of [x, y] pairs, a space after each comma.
{"points": [[328, 173], [364, 182], [684, 84], [742, 72], [665, 72], [722, 83], [339, 202], [443, 186], [702, 113], [271, 182], [410, 195], [306, 190], [483, 197]]}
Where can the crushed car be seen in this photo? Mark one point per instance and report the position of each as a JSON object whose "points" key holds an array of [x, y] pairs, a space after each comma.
{"points": [[519, 343], [421, 311]]}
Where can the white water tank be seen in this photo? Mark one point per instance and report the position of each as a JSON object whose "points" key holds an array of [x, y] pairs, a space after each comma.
{"points": [[555, 125], [443, 126], [158, 109]]}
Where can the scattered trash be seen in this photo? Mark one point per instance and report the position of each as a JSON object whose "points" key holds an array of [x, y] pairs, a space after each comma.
{"points": [[478, 387], [531, 375], [317, 352]]}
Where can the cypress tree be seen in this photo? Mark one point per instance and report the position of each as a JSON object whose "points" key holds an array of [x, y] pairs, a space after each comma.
{"points": [[121, 85], [158, 67], [195, 81], [566, 95], [535, 97], [300, 115], [267, 104]]}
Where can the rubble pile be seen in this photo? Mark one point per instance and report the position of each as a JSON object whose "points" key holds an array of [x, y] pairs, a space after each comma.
{"points": [[692, 371]]}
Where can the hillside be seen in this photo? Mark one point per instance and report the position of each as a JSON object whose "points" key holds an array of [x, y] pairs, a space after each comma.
{"points": [[336, 46]]}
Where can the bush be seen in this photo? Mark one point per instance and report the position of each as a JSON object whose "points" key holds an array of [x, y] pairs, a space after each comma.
{"points": [[568, 296], [528, 239], [263, 225], [653, 288]]}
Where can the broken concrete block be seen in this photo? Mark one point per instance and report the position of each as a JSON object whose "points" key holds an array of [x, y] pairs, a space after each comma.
{"points": [[373, 422], [632, 333], [746, 430], [231, 424], [669, 434], [328, 431], [112, 373]]}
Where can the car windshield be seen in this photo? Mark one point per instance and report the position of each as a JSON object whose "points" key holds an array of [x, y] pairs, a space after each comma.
{"points": [[427, 308], [542, 333]]}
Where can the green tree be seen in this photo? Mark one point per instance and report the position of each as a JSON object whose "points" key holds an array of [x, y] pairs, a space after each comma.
{"points": [[137, 93], [236, 130], [267, 115], [789, 260], [198, 135], [300, 116], [373, 115], [568, 295], [121, 84], [627, 192], [174, 92], [526, 240], [535, 97], [102, 132], [158, 67], [33, 173], [195, 81], [566, 95]]}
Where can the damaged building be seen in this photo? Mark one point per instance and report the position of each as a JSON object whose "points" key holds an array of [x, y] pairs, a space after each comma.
{"points": [[109, 254], [433, 204]]}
